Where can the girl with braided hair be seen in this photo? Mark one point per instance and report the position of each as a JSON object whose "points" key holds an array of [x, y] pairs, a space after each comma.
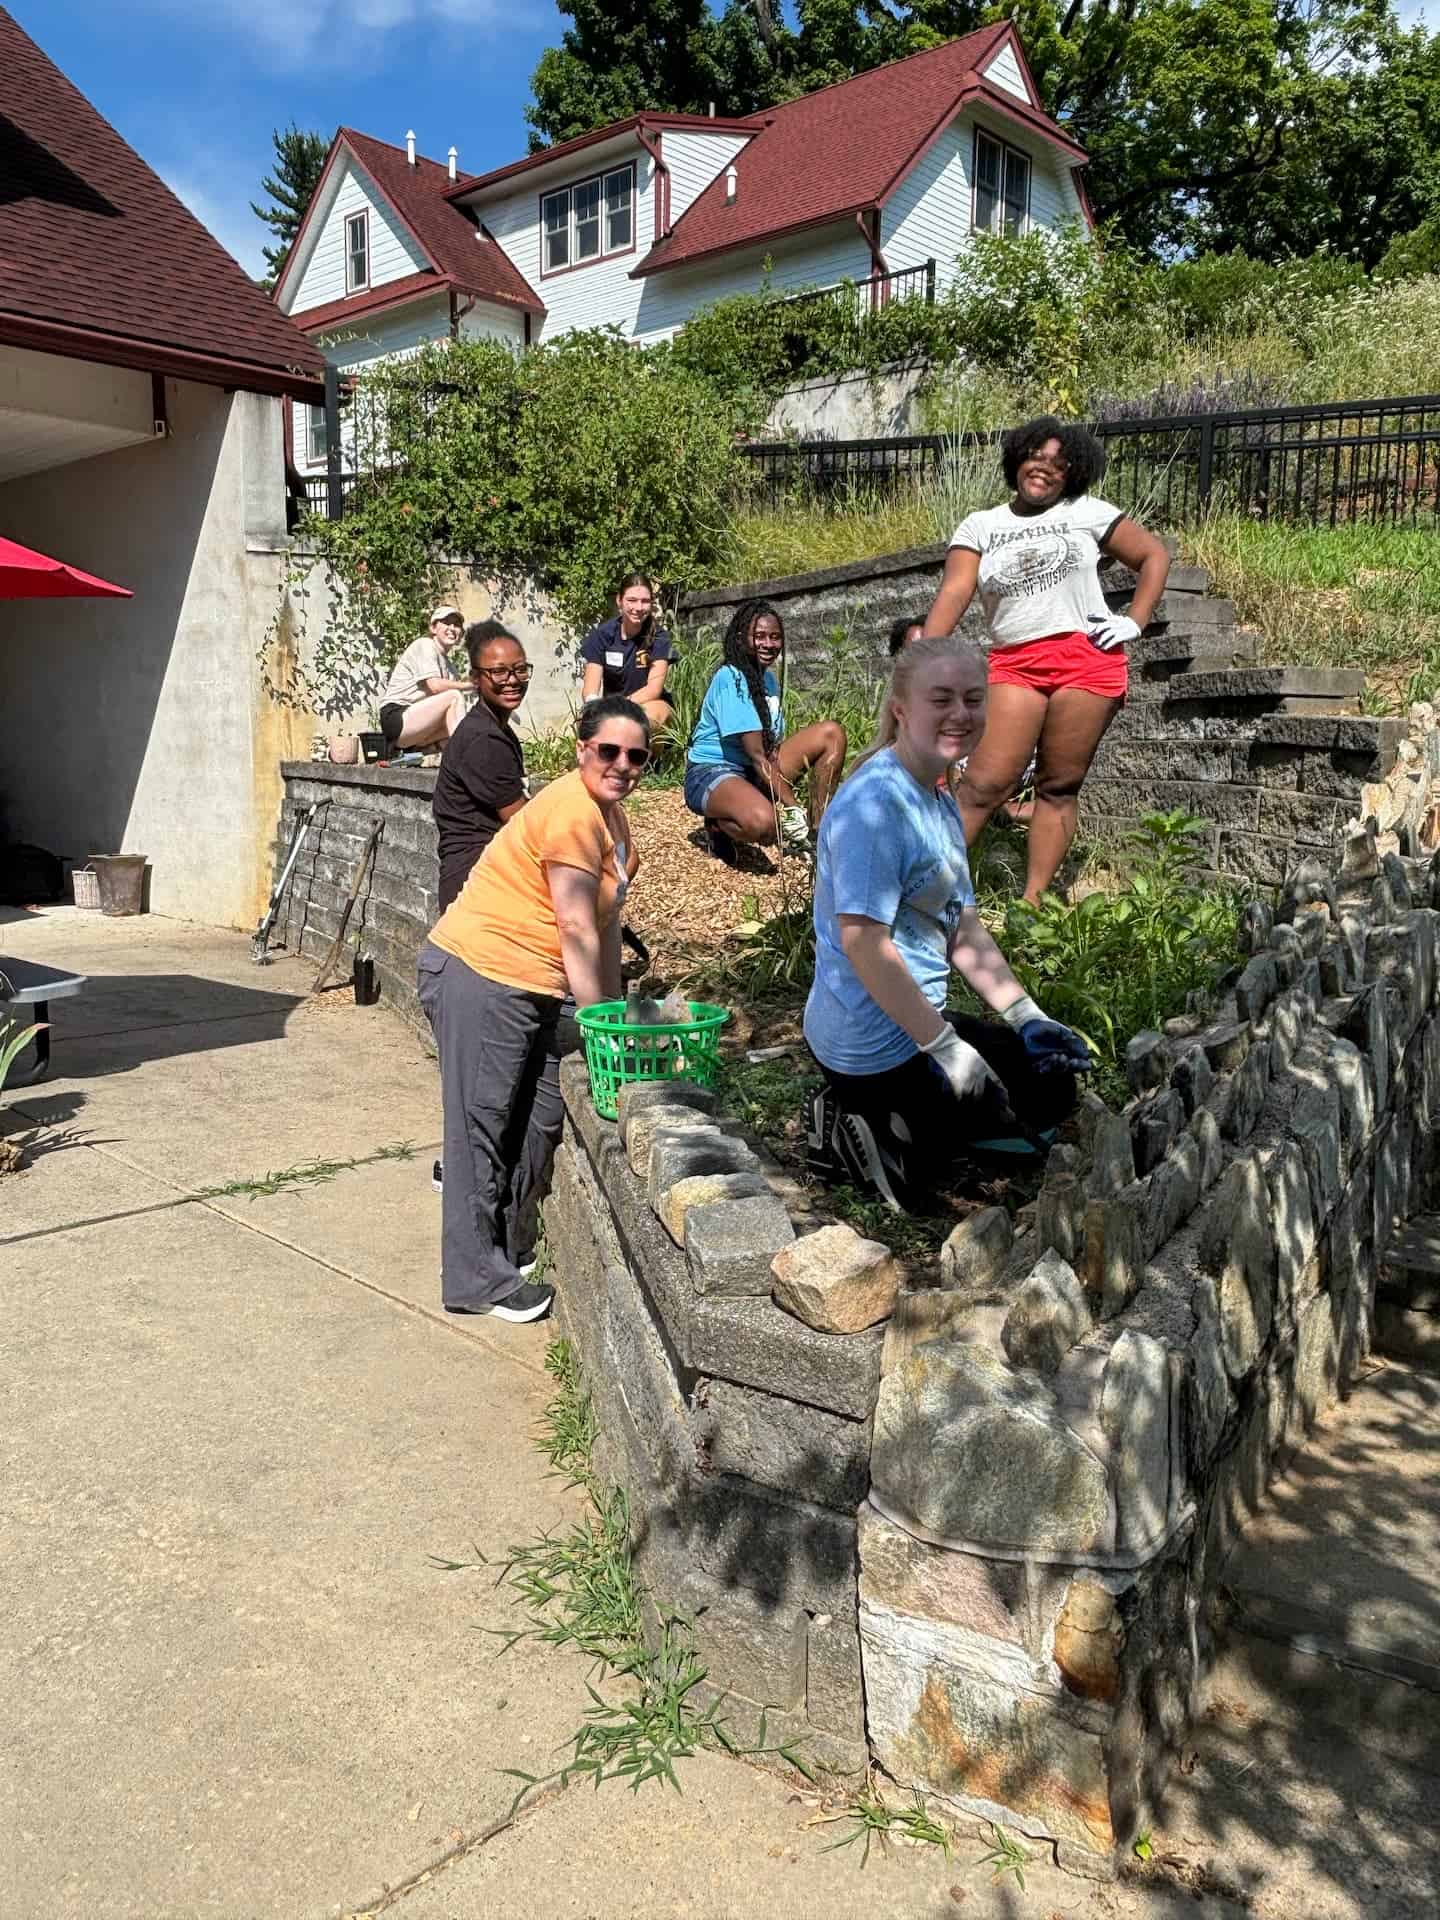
{"points": [[740, 770]]}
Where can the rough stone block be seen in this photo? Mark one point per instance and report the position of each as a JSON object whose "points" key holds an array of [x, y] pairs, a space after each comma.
{"points": [[973, 1257], [646, 1383], [1114, 1259], [1257, 986], [1060, 1215], [971, 1452], [1293, 1218], [1315, 1126], [645, 1122], [787, 1552], [680, 1155], [698, 1191], [747, 1648], [835, 1281], [779, 1443], [1206, 1130], [1048, 1315], [901, 1574], [1367, 1025], [1393, 868], [1192, 1078], [1113, 1157], [1393, 954], [1154, 1125], [834, 1678], [1148, 1058], [635, 1096], [1317, 1358], [1271, 683], [1237, 1246], [1254, 928], [982, 1735], [1226, 1044], [753, 1342], [731, 1243], [921, 1314], [1248, 1086], [1211, 1398], [1135, 1413]]}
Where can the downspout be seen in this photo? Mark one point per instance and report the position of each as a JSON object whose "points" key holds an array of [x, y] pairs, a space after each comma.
{"points": [[877, 258], [662, 173]]}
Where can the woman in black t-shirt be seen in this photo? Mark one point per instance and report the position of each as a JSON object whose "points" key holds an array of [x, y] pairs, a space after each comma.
{"points": [[481, 781], [630, 653]]}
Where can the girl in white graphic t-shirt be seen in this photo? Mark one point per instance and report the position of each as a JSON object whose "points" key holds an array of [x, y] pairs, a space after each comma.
{"points": [[1058, 673]]}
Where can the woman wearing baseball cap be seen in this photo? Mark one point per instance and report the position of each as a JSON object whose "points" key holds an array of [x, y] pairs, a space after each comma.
{"points": [[423, 703]]}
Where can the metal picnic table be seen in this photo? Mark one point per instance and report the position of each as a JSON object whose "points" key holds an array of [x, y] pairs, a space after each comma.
{"points": [[23, 983]]}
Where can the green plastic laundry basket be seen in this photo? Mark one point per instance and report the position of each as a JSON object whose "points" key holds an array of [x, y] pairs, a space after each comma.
{"points": [[616, 1053]]}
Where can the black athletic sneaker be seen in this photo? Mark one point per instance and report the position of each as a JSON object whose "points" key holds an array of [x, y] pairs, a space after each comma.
{"points": [[865, 1161], [530, 1302], [820, 1116], [437, 1176], [722, 846]]}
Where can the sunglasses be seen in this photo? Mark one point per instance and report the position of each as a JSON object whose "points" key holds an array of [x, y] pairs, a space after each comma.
{"points": [[610, 752], [503, 675]]}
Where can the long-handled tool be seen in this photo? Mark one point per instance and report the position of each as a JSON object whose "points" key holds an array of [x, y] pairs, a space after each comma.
{"points": [[377, 827], [260, 938]]}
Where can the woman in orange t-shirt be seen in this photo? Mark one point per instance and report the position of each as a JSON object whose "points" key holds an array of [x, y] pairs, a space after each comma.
{"points": [[539, 914]]}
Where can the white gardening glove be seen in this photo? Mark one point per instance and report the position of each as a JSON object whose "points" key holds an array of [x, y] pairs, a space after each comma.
{"points": [[1108, 631], [794, 826], [970, 1078]]}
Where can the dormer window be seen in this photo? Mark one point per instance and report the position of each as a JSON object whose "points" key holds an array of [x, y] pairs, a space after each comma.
{"points": [[357, 252], [589, 221], [1002, 186]]}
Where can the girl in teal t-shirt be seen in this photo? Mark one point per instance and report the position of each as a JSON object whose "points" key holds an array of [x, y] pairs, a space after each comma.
{"points": [[740, 770]]}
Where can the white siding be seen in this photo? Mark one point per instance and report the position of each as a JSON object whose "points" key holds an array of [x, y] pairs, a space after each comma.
{"points": [[928, 215], [393, 254], [383, 336], [694, 159], [1004, 71], [598, 294], [493, 323], [818, 259]]}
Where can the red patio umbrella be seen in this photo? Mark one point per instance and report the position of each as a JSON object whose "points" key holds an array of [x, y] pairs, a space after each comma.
{"points": [[27, 575]]}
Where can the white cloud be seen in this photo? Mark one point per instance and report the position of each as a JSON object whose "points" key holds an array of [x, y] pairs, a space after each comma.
{"points": [[229, 219], [294, 33]]}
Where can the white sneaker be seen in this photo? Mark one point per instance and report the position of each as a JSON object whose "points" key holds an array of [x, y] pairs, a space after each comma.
{"points": [[437, 1176]]}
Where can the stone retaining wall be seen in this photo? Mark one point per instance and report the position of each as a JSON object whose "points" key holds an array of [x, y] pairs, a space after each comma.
{"points": [[980, 1546], [1276, 759], [397, 905]]}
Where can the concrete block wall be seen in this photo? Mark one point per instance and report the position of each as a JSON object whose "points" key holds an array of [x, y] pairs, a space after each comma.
{"points": [[1274, 758], [398, 902]]}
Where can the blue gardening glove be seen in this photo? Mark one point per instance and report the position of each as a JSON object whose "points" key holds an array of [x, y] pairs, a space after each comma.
{"points": [[1049, 1047]]}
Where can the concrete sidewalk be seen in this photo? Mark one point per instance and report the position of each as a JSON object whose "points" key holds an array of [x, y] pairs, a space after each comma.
{"points": [[235, 1428]]}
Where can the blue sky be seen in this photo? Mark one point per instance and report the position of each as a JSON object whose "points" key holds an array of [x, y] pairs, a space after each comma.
{"points": [[196, 88], [197, 85]]}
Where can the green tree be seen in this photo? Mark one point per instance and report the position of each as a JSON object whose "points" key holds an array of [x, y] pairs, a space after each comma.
{"points": [[299, 162], [619, 59]]}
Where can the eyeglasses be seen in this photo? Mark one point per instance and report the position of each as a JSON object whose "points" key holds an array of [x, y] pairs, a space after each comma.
{"points": [[609, 751], [502, 676]]}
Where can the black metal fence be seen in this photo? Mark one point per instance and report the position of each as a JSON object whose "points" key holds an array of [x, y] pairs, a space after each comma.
{"points": [[1371, 461], [906, 283]]}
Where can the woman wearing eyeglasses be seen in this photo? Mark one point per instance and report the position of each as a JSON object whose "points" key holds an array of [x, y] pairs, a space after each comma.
{"points": [[540, 912], [481, 782], [1058, 672]]}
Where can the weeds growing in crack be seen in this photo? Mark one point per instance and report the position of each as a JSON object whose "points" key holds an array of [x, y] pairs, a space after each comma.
{"points": [[578, 1590], [872, 1819], [1005, 1854], [305, 1173]]}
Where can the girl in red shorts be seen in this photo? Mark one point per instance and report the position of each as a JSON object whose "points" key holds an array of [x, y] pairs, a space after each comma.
{"points": [[1058, 671]]}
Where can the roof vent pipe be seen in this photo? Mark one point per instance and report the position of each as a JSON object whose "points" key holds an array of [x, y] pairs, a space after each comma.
{"points": [[454, 157], [712, 109], [732, 182], [410, 146]]}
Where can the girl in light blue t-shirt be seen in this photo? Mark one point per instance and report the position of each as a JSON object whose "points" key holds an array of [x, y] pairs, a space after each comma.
{"points": [[740, 769], [909, 1086]]}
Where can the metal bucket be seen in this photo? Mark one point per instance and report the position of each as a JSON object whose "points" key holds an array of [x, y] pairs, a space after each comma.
{"points": [[122, 881]]}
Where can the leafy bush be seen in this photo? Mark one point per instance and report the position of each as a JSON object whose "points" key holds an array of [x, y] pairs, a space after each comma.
{"points": [[692, 668], [1116, 963]]}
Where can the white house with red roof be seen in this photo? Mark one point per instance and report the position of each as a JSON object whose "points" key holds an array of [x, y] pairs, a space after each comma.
{"points": [[641, 223]]}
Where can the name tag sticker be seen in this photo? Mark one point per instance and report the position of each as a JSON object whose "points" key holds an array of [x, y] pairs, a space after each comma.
{"points": [[614, 657]]}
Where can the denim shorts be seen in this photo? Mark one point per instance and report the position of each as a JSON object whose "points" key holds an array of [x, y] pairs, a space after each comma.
{"points": [[701, 781]]}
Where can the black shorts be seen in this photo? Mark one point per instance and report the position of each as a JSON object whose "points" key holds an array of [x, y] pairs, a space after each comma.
{"points": [[392, 721]]}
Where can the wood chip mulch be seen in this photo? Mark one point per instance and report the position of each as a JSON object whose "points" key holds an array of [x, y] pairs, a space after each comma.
{"points": [[685, 905]]}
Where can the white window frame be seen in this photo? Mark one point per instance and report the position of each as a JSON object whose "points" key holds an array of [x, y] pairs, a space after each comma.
{"points": [[353, 283], [1005, 204], [604, 204], [316, 454]]}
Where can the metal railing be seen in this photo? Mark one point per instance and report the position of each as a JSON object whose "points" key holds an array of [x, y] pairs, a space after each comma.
{"points": [[1346, 462], [905, 283]]}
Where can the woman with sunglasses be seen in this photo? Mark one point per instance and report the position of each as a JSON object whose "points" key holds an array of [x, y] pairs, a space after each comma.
{"points": [[740, 769], [481, 782], [539, 913], [1058, 672]]}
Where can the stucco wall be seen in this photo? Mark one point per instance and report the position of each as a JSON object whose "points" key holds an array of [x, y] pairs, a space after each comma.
{"points": [[139, 725]]}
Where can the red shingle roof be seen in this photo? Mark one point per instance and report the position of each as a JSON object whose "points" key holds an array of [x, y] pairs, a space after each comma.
{"points": [[99, 259], [833, 153], [462, 255]]}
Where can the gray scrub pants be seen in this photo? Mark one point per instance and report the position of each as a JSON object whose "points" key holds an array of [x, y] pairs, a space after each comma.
{"points": [[500, 1085]]}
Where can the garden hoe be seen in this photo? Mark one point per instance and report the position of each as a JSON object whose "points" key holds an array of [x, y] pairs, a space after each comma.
{"points": [[261, 935], [377, 827]]}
